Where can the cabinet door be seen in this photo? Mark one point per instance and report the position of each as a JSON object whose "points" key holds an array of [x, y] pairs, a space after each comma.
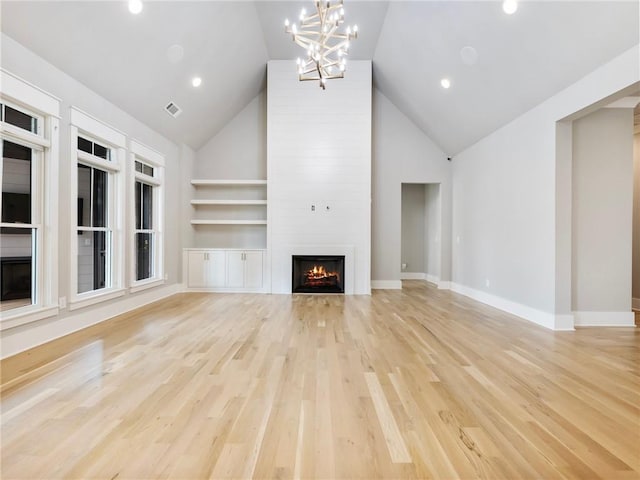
{"points": [[216, 268], [253, 269], [196, 269], [235, 269]]}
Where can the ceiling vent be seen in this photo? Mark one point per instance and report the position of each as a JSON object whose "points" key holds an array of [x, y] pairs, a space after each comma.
{"points": [[173, 109]]}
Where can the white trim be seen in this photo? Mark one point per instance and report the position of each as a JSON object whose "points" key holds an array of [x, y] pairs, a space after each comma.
{"points": [[635, 303], [13, 132], [25, 316], [98, 128], [444, 285], [18, 341], [92, 297], [432, 278], [97, 162], [412, 276], [145, 284], [539, 317], [25, 93], [604, 319], [386, 284], [147, 153]]}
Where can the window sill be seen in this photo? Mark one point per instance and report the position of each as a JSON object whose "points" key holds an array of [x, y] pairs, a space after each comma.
{"points": [[81, 301], [22, 316], [146, 284]]}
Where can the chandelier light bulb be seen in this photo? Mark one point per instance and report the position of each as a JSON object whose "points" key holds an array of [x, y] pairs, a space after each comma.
{"points": [[445, 82], [196, 81], [135, 6], [510, 6], [294, 29], [286, 22], [355, 29]]}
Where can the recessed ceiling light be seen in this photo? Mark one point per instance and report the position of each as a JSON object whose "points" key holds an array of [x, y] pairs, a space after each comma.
{"points": [[135, 6], [510, 6], [445, 82], [196, 81]]}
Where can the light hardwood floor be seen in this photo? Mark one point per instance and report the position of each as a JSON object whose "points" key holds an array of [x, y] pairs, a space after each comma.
{"points": [[417, 383]]}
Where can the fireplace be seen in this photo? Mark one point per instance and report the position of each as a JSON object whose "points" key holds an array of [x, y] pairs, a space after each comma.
{"points": [[317, 274]]}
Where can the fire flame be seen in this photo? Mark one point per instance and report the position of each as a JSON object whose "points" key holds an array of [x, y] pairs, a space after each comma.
{"points": [[318, 271]]}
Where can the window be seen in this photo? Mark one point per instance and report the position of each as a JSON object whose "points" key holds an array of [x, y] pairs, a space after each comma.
{"points": [[21, 225], [97, 201], [28, 214], [148, 205]]}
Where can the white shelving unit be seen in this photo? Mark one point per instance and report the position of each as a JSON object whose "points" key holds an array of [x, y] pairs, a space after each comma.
{"points": [[216, 201]]}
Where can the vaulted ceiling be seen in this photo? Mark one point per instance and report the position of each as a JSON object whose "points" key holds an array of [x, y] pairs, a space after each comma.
{"points": [[521, 59]]}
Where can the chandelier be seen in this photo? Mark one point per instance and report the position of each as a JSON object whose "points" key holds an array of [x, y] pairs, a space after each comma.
{"points": [[326, 47]]}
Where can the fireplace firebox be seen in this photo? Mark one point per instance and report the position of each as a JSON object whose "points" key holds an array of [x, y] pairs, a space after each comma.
{"points": [[317, 274]]}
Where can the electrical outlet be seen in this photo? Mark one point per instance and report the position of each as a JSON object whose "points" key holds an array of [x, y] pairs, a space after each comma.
{"points": [[404, 266], [487, 282], [62, 302]]}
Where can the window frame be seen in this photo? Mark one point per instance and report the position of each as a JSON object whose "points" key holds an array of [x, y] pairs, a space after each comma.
{"points": [[85, 126], [139, 152], [31, 100]]}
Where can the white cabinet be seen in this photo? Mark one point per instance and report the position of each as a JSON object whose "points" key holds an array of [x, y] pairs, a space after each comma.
{"points": [[206, 268], [229, 270], [244, 269]]}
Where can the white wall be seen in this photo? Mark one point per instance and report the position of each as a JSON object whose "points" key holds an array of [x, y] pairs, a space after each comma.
{"points": [[319, 153], [504, 197], [433, 231], [413, 227], [402, 153], [25, 64], [602, 212]]}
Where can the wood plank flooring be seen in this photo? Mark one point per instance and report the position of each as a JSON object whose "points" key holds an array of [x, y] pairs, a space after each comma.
{"points": [[418, 383]]}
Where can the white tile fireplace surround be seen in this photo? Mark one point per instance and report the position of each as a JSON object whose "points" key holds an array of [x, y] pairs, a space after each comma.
{"points": [[282, 268], [319, 172]]}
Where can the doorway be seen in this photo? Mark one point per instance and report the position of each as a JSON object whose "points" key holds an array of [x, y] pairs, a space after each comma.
{"points": [[421, 232]]}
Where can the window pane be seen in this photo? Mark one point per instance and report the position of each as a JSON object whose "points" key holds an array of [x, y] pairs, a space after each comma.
{"points": [[138, 167], [147, 170], [85, 145], [84, 196], [100, 151], [20, 120], [144, 255], [92, 261], [16, 183], [99, 198], [16, 268], [138, 196], [147, 207]]}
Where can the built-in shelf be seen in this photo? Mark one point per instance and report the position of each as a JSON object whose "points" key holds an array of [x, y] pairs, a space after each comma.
{"points": [[228, 202], [228, 222], [202, 182]]}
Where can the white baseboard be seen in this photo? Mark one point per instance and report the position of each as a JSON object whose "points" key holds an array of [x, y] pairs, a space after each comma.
{"points": [[604, 319], [635, 303], [412, 276], [25, 337], [386, 284], [444, 285], [539, 317], [432, 278]]}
